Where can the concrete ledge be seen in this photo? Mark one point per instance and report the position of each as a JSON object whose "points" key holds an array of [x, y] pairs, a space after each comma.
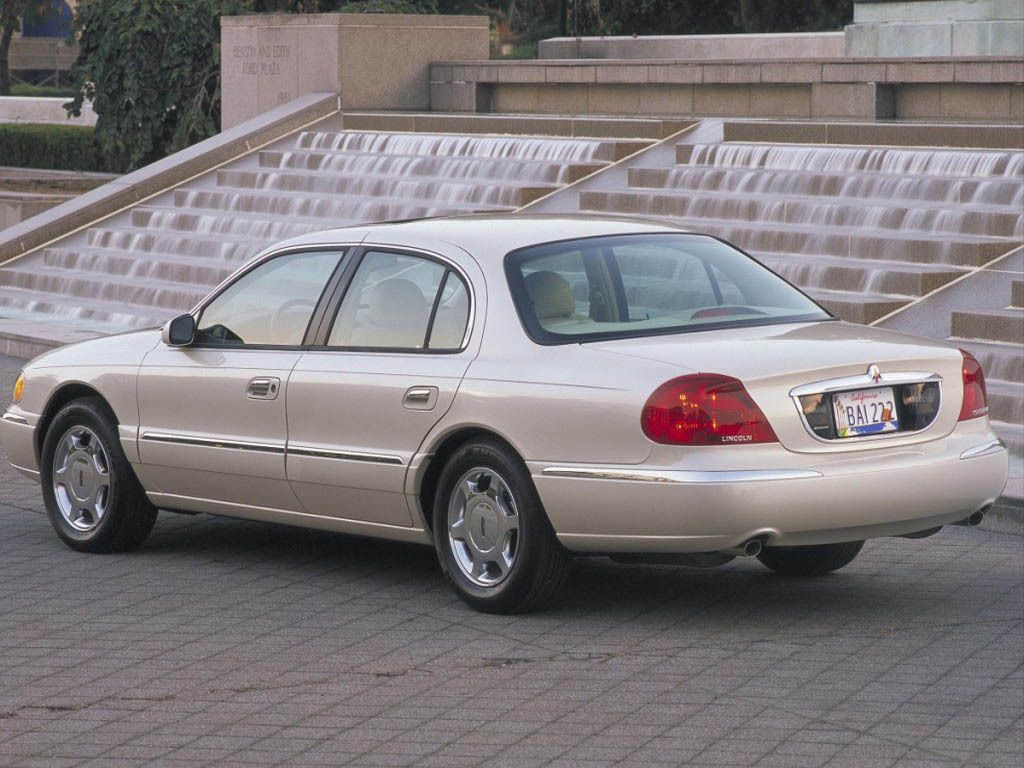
{"points": [[535, 125], [883, 134], [968, 89], [38, 109], [163, 174], [771, 46]]}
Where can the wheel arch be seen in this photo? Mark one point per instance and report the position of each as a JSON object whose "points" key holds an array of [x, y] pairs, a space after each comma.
{"points": [[443, 448], [66, 393]]}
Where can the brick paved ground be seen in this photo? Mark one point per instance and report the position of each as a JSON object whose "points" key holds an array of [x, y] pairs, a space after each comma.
{"points": [[234, 643]]}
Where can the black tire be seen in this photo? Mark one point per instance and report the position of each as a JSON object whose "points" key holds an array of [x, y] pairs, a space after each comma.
{"points": [[129, 515], [810, 561], [541, 564]]}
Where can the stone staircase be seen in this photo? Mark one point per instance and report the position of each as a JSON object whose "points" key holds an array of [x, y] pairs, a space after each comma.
{"points": [[865, 231], [159, 258]]}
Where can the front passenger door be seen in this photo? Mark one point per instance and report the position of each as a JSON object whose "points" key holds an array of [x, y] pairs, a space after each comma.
{"points": [[212, 415]]}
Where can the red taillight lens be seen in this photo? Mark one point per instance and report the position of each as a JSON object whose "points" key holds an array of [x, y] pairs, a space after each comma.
{"points": [[975, 402], [704, 409]]}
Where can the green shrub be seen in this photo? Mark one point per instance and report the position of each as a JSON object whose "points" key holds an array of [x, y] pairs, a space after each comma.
{"points": [[47, 91], [59, 147]]}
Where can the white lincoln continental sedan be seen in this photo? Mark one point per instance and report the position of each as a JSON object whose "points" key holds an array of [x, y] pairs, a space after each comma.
{"points": [[514, 391]]}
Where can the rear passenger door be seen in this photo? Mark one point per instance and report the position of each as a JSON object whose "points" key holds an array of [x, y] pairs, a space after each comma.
{"points": [[390, 358]]}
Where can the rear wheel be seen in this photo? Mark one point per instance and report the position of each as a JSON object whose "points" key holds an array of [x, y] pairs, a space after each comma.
{"points": [[810, 561], [493, 539], [93, 499]]}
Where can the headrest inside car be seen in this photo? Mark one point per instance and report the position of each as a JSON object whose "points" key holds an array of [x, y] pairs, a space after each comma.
{"points": [[550, 294]]}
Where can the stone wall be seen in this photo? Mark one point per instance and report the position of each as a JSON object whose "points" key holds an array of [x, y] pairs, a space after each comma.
{"points": [[989, 90], [41, 54], [796, 45], [373, 61], [936, 28], [40, 109]]}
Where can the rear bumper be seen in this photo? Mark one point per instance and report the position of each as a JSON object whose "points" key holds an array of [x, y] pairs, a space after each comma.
{"points": [[813, 500]]}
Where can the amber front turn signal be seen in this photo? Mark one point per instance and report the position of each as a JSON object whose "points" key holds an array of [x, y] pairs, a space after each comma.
{"points": [[19, 387]]}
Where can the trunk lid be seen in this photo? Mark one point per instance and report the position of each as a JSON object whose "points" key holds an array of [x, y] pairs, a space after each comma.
{"points": [[773, 360]]}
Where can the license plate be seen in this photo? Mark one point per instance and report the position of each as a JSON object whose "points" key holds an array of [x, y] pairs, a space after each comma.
{"points": [[865, 412]]}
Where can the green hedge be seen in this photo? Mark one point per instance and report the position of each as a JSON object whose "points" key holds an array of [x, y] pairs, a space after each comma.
{"points": [[58, 147]]}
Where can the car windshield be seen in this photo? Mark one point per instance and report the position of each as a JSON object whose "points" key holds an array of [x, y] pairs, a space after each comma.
{"points": [[637, 285]]}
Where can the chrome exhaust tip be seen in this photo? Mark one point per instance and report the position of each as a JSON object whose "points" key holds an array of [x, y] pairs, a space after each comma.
{"points": [[974, 520], [750, 548]]}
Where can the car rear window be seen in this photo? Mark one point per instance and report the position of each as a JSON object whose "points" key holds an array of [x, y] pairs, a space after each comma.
{"points": [[646, 284]]}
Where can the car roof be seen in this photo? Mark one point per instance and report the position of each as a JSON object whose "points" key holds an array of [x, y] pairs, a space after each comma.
{"points": [[484, 235]]}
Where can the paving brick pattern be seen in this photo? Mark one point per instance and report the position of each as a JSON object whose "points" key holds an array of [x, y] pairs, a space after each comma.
{"points": [[230, 643]]}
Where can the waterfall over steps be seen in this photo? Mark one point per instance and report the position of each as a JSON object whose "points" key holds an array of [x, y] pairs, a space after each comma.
{"points": [[161, 257]]}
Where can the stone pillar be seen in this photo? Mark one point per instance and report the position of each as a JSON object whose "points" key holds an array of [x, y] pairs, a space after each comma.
{"points": [[373, 61]]}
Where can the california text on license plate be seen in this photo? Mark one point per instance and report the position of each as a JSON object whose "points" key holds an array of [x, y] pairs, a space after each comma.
{"points": [[865, 412]]}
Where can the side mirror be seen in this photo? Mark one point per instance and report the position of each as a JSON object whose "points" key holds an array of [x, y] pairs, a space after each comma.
{"points": [[179, 332]]}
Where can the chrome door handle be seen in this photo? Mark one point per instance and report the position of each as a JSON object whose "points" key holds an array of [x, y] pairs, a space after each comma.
{"points": [[263, 388], [420, 398]]}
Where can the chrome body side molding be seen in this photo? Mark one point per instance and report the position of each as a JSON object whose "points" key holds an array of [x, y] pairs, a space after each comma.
{"points": [[211, 442], [680, 476], [327, 453]]}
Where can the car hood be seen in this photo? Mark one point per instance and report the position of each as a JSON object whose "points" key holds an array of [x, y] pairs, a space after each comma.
{"points": [[771, 360]]}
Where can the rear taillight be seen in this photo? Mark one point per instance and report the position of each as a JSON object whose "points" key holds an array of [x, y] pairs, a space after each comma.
{"points": [[975, 403], [704, 409]]}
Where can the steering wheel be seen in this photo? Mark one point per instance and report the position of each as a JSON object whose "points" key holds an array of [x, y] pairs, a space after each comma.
{"points": [[278, 323]]}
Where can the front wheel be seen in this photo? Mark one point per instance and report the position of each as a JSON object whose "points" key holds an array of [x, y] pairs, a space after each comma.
{"points": [[493, 539], [810, 561], [93, 499]]}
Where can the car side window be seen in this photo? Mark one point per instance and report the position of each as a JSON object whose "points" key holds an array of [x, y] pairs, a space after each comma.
{"points": [[270, 305], [399, 301]]}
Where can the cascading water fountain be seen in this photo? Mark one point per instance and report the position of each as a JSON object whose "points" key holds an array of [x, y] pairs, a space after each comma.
{"points": [[161, 257], [863, 230]]}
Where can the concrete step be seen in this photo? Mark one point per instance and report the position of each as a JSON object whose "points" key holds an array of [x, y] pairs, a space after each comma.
{"points": [[1006, 325], [537, 125], [224, 222], [1005, 401], [493, 170], [188, 270], [507, 194], [224, 211], [1006, 195], [153, 241], [483, 145], [962, 251], [102, 315], [910, 134], [968, 164], [876, 215], [897, 279], [854, 306], [1017, 294], [71, 286]]}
